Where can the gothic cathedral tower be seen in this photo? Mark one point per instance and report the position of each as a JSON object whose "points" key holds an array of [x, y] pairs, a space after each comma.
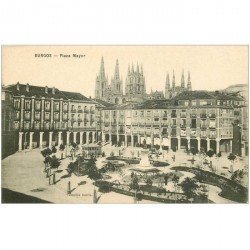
{"points": [[101, 82], [135, 84], [167, 88], [116, 82]]}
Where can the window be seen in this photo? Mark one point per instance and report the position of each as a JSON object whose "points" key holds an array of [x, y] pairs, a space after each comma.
{"points": [[193, 123], [17, 104], [27, 104], [194, 103], [156, 119]]}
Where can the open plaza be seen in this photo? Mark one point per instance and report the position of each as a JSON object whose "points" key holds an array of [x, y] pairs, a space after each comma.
{"points": [[26, 173]]}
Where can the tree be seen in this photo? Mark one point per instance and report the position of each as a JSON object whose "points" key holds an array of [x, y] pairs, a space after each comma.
{"points": [[54, 162], [46, 152], [189, 187], [175, 180], [134, 183], [71, 167], [53, 149], [210, 154], [46, 162], [61, 148], [91, 169], [231, 158]]}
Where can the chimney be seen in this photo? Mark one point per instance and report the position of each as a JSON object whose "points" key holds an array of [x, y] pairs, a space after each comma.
{"points": [[18, 86], [27, 87], [46, 89], [53, 90]]}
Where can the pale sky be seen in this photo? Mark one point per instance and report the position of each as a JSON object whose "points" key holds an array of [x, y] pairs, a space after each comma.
{"points": [[211, 67]]}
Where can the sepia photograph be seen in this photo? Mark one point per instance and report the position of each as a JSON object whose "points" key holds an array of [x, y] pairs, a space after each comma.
{"points": [[124, 124]]}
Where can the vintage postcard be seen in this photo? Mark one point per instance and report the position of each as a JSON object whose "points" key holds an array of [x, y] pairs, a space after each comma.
{"points": [[124, 124]]}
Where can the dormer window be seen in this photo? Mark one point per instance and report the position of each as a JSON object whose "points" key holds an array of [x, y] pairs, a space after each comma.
{"points": [[27, 87]]}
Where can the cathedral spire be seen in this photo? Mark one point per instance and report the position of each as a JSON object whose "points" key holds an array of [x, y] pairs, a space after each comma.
{"points": [[167, 87], [137, 68], [132, 70], [102, 69], [189, 85], [182, 80], [117, 75], [173, 81]]}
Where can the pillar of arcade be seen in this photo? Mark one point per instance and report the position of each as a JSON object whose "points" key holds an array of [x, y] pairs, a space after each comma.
{"points": [[81, 135], [31, 140], [74, 137], [198, 143], [87, 137], [20, 145], [208, 144], [59, 138], [50, 139], [41, 140], [179, 142], [67, 140], [217, 146]]}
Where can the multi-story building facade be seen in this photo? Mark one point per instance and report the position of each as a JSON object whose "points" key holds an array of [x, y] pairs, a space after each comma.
{"points": [[9, 136], [47, 116], [194, 119]]}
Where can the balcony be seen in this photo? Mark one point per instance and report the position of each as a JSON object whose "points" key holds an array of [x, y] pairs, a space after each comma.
{"points": [[203, 127], [203, 136], [27, 107], [73, 110], [203, 116], [212, 116], [212, 136], [183, 115], [56, 108], [173, 115], [193, 116], [65, 118], [212, 127], [27, 118], [80, 111], [92, 111], [79, 119], [73, 119], [183, 125], [37, 107], [86, 120], [47, 108], [86, 111], [173, 125], [37, 117]]}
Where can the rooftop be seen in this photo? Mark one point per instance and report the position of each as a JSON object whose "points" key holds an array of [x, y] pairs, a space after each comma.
{"points": [[46, 92]]}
